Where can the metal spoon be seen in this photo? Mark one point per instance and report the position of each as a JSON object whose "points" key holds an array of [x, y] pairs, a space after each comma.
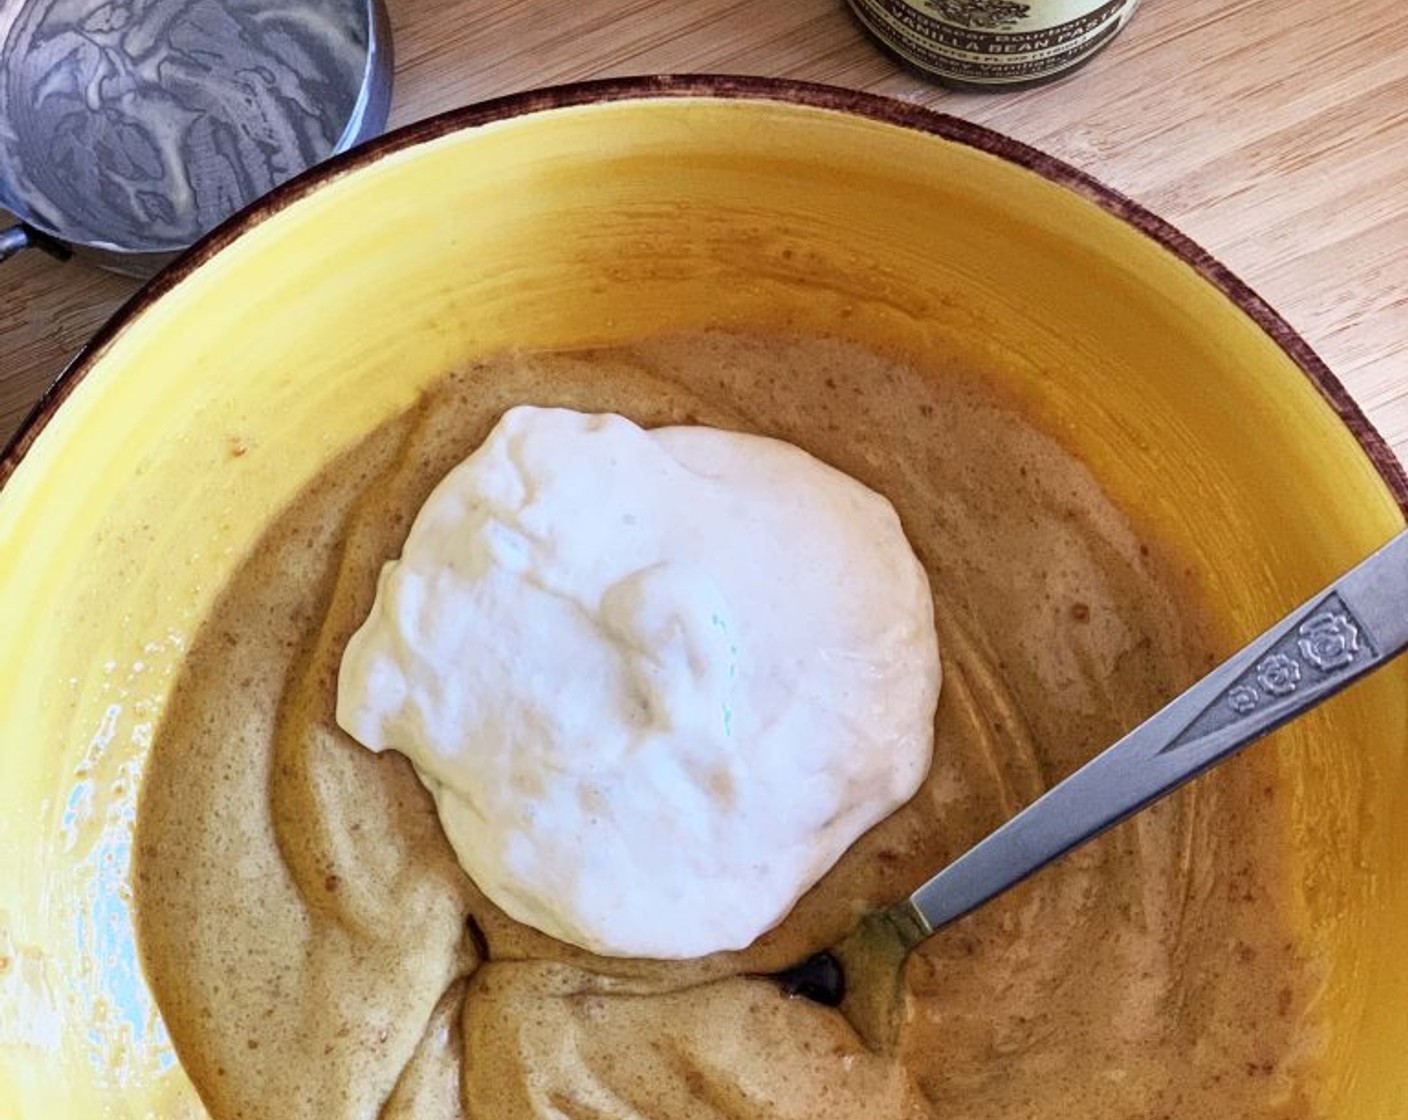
{"points": [[1354, 625]]}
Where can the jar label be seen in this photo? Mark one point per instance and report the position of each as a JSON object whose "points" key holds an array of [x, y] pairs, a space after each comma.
{"points": [[994, 42]]}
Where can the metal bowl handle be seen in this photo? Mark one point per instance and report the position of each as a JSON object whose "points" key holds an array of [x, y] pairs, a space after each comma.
{"points": [[20, 237]]}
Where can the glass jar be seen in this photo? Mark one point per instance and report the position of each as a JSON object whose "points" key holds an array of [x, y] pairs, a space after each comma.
{"points": [[994, 44]]}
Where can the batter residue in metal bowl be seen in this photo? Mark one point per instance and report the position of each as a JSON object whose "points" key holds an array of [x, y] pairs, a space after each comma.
{"points": [[144, 123]]}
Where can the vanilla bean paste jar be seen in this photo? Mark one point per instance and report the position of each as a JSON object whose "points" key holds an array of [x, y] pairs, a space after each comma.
{"points": [[994, 44]]}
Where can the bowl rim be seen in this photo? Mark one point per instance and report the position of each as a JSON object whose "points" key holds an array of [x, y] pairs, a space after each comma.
{"points": [[885, 110]]}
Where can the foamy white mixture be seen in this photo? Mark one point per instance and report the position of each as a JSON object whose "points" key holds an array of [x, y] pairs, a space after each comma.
{"points": [[656, 681]]}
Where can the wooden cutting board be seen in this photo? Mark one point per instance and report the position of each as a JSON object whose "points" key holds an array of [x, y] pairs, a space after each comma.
{"points": [[1276, 135]]}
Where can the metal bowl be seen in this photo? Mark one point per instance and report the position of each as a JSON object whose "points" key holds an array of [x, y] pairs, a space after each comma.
{"points": [[128, 129]]}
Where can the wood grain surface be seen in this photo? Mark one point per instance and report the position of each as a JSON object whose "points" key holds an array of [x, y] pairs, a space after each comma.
{"points": [[1275, 134]]}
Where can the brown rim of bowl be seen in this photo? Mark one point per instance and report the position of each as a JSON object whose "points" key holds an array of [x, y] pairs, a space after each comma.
{"points": [[734, 87]]}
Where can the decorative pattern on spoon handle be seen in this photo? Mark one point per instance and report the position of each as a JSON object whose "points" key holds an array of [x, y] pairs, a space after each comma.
{"points": [[1312, 656]]}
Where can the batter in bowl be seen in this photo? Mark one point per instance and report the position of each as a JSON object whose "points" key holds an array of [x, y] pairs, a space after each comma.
{"points": [[316, 950]]}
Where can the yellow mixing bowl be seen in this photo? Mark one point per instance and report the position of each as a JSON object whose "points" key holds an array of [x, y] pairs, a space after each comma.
{"points": [[599, 214]]}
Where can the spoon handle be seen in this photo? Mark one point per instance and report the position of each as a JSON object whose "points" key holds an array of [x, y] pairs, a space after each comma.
{"points": [[1351, 627], [13, 240]]}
